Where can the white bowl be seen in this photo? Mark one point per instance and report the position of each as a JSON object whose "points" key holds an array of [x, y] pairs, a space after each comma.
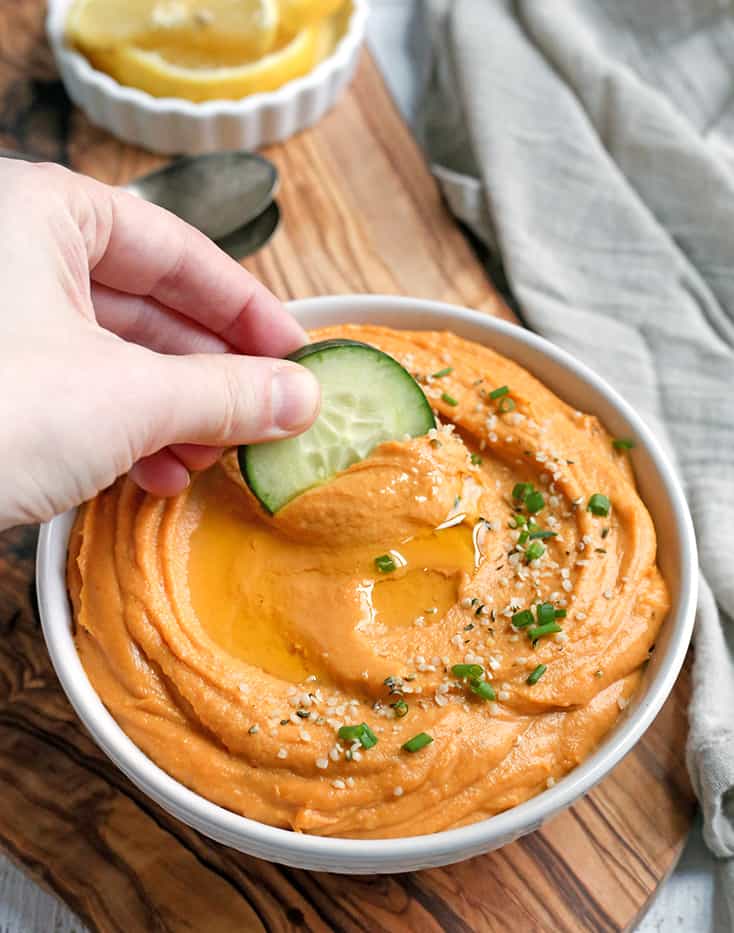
{"points": [[659, 488], [173, 125]]}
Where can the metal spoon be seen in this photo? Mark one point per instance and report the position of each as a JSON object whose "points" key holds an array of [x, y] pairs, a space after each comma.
{"points": [[219, 193], [253, 236]]}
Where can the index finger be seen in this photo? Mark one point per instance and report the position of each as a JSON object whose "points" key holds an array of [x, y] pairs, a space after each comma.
{"points": [[145, 250]]}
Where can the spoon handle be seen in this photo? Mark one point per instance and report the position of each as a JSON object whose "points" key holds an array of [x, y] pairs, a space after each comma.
{"points": [[25, 156]]}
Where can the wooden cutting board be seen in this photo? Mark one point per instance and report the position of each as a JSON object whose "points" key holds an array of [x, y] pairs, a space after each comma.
{"points": [[360, 214]]}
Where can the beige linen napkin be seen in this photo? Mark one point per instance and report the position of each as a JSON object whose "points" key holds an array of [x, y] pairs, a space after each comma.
{"points": [[591, 144]]}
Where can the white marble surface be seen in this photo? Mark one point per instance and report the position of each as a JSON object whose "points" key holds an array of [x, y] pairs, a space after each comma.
{"points": [[685, 903]]}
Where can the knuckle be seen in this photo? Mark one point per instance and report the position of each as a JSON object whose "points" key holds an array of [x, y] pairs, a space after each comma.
{"points": [[242, 412], [231, 404]]}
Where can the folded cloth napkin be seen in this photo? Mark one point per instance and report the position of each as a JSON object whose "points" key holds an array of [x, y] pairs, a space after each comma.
{"points": [[591, 144]]}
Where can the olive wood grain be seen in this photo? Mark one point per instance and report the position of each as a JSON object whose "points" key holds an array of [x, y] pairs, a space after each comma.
{"points": [[360, 214]]}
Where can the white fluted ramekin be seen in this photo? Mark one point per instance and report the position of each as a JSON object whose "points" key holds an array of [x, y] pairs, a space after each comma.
{"points": [[174, 125], [663, 496]]}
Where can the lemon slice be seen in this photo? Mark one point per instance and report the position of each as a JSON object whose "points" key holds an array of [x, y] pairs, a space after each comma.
{"points": [[296, 14], [156, 71], [248, 27]]}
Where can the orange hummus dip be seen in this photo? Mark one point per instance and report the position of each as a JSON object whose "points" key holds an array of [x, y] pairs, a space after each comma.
{"points": [[232, 646]]}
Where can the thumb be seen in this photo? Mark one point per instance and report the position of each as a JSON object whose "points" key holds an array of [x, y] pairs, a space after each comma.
{"points": [[212, 401], [223, 399]]}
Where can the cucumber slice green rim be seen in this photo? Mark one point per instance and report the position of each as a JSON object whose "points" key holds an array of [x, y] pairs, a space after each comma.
{"points": [[367, 397]]}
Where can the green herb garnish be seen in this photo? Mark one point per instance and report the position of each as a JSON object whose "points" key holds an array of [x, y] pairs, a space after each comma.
{"points": [[523, 618], [361, 733], [506, 405], [623, 443], [537, 674], [534, 501], [599, 505], [400, 707], [443, 372], [449, 399], [467, 670], [542, 534], [482, 689], [418, 742], [521, 490], [545, 613], [475, 459], [498, 393], [540, 631], [534, 551], [560, 613], [385, 563]]}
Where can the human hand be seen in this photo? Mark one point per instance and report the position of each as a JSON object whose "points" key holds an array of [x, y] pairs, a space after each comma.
{"points": [[121, 346]]}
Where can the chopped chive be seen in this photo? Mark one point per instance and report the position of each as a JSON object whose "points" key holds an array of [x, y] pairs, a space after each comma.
{"points": [[523, 537], [467, 670], [400, 707], [443, 372], [482, 689], [623, 443], [498, 393], [505, 405], [361, 733], [349, 733], [385, 563], [418, 742], [599, 505], [560, 613], [545, 613], [521, 619], [540, 631], [534, 551], [521, 490], [476, 459], [449, 399], [517, 521], [542, 534], [537, 674], [534, 501], [367, 737]]}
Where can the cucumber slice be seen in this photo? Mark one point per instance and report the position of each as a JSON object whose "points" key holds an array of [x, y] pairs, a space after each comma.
{"points": [[366, 398]]}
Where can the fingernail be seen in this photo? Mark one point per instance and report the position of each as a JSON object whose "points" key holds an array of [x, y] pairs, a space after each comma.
{"points": [[295, 397]]}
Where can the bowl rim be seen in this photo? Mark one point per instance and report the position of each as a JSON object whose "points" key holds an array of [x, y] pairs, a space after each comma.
{"points": [[439, 847], [85, 73]]}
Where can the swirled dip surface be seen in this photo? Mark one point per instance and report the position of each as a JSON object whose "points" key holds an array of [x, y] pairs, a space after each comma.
{"points": [[232, 646]]}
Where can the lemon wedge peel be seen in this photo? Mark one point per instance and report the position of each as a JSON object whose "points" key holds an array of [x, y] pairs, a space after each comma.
{"points": [[246, 28], [150, 71]]}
